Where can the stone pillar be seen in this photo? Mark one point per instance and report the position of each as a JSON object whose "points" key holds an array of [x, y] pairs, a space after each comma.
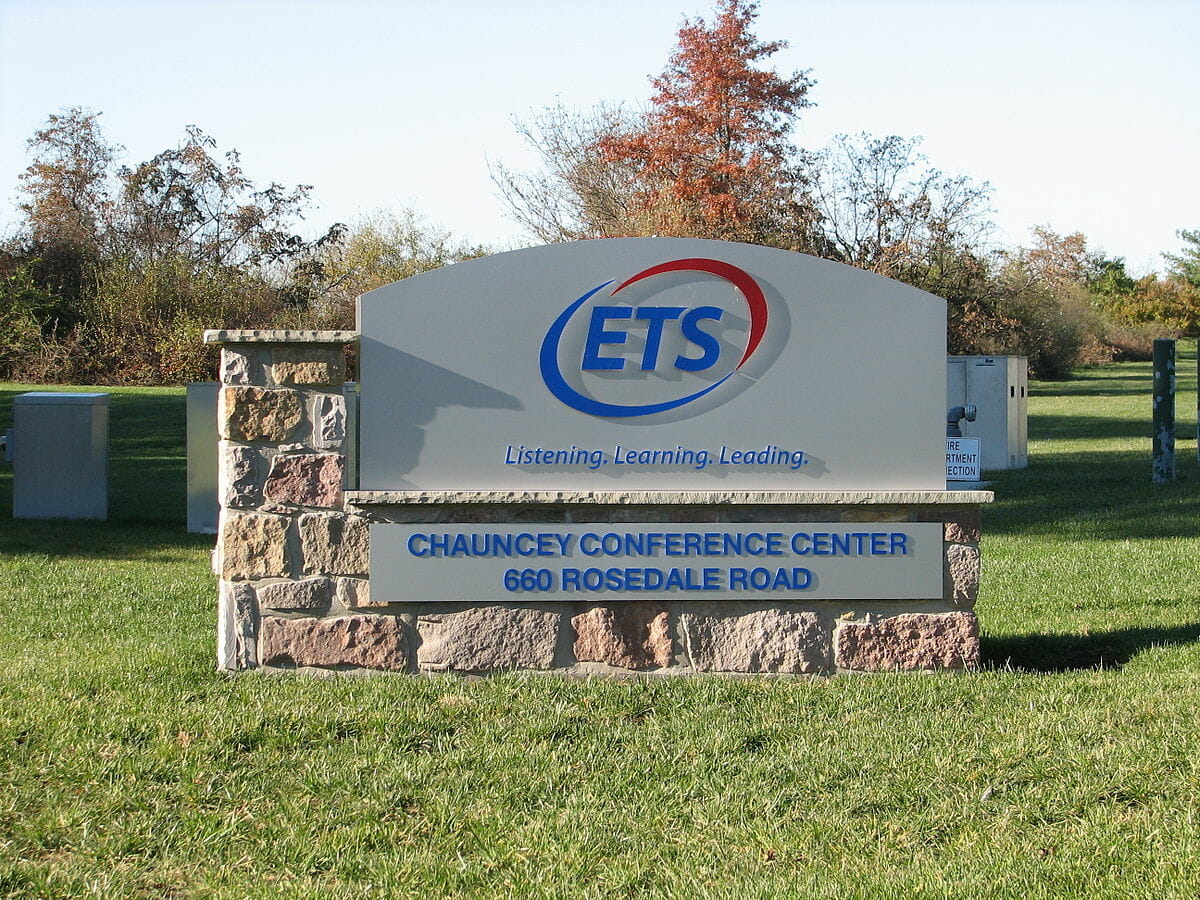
{"points": [[292, 563]]}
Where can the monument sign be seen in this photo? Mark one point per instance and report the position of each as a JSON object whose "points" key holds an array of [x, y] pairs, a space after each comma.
{"points": [[609, 456]]}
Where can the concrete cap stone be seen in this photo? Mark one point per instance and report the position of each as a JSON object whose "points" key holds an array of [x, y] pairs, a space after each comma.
{"points": [[277, 336], [669, 498]]}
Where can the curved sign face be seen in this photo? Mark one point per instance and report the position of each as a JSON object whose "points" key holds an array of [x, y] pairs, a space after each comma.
{"points": [[696, 325], [651, 364]]}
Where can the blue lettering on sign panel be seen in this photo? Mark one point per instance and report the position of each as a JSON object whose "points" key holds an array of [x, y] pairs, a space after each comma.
{"points": [[696, 326], [598, 335], [656, 316], [627, 561], [581, 561], [710, 345], [574, 456]]}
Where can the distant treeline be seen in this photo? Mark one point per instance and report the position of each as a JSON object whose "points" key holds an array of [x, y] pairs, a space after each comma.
{"points": [[116, 270]]}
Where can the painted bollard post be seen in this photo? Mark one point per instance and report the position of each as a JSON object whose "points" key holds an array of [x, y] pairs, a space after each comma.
{"points": [[1163, 446], [635, 456]]}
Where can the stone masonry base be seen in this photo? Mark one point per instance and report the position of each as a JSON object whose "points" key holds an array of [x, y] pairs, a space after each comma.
{"points": [[293, 559], [627, 639], [314, 608]]}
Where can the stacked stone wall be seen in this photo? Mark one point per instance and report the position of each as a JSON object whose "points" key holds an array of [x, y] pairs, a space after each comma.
{"points": [[293, 556], [781, 636]]}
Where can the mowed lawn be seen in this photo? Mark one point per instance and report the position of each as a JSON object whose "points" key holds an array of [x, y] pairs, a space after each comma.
{"points": [[1069, 766]]}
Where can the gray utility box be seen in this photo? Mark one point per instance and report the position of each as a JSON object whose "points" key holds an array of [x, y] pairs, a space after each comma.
{"points": [[202, 449], [998, 386], [202, 457], [350, 392], [60, 456]]}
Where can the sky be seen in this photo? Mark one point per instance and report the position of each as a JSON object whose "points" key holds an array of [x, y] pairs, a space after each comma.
{"points": [[1082, 115]]}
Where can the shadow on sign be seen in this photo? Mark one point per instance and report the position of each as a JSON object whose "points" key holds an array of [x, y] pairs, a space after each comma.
{"points": [[419, 389]]}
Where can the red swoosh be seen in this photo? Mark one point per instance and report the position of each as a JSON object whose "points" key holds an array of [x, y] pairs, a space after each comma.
{"points": [[735, 276]]}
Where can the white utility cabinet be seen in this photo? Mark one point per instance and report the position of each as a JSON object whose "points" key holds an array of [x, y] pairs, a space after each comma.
{"points": [[998, 387], [60, 456]]}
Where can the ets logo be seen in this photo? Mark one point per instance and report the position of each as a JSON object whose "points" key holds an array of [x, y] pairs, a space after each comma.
{"points": [[658, 341]]}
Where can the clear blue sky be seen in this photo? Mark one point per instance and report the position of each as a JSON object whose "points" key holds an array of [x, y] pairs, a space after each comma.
{"points": [[1082, 114]]}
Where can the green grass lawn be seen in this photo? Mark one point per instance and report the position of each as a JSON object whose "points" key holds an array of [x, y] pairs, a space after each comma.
{"points": [[1069, 766]]}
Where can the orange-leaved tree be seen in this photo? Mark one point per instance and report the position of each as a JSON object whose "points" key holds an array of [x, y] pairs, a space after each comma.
{"points": [[712, 156]]}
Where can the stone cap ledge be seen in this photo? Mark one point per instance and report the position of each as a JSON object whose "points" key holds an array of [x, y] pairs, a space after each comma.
{"points": [[277, 336], [673, 498]]}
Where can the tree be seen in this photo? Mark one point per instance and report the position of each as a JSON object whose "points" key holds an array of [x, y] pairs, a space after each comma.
{"points": [[712, 156], [884, 208], [1151, 305], [1168, 303], [196, 244], [375, 251], [25, 309], [1108, 279], [126, 266], [1185, 266], [880, 206], [578, 193], [67, 185], [68, 207], [185, 202], [1043, 291]]}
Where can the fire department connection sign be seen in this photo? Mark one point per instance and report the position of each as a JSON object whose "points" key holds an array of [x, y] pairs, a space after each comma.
{"points": [[651, 363]]}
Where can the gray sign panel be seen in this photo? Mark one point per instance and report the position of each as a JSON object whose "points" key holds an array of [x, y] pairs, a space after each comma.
{"points": [[651, 363], [811, 561]]}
